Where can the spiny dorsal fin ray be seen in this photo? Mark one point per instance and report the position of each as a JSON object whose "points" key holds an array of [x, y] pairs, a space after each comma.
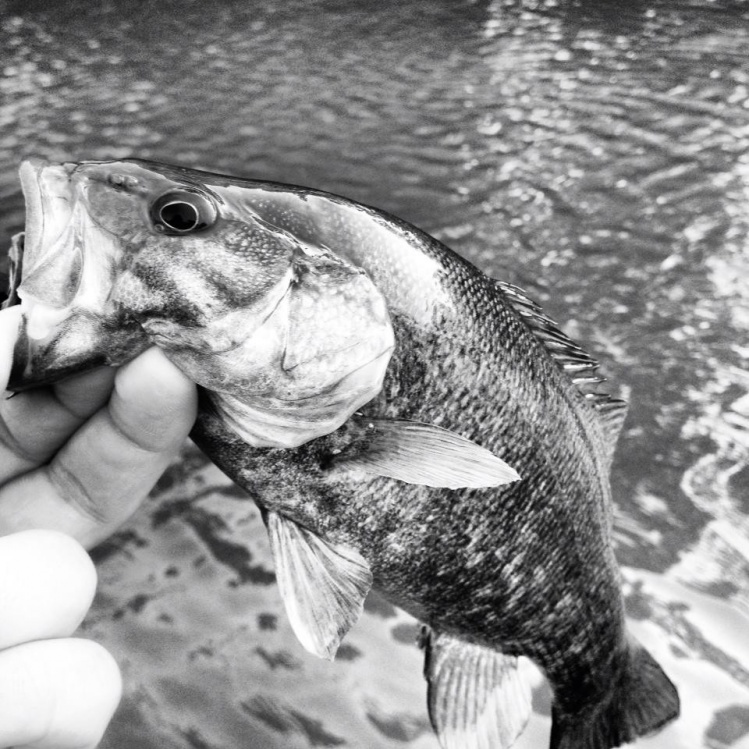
{"points": [[581, 368], [564, 350], [323, 586], [477, 697]]}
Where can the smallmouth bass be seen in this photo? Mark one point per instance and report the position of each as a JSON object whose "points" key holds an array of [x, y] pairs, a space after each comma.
{"points": [[402, 420]]}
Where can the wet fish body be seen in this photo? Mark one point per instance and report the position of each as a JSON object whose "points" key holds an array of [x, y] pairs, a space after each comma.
{"points": [[379, 398]]}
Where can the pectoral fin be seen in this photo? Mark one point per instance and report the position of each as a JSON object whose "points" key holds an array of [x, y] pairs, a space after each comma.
{"points": [[323, 586], [424, 454], [478, 698]]}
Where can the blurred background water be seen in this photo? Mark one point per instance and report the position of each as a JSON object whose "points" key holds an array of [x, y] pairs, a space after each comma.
{"points": [[595, 153]]}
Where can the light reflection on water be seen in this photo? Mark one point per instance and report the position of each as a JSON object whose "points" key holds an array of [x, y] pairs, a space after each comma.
{"points": [[595, 154]]}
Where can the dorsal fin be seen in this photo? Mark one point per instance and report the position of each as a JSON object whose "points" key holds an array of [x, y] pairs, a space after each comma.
{"points": [[580, 367]]}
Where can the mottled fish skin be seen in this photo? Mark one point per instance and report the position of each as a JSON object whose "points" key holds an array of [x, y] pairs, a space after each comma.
{"points": [[526, 568]]}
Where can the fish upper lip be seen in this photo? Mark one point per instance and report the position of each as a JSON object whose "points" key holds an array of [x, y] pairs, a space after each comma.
{"points": [[33, 198], [49, 197]]}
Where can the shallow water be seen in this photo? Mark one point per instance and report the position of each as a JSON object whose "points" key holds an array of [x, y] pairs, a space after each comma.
{"points": [[594, 154]]}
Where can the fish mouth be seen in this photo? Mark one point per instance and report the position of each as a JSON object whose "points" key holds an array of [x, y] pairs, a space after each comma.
{"points": [[51, 263], [45, 272], [49, 205], [62, 273]]}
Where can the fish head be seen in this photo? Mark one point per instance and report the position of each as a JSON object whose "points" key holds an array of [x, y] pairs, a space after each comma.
{"points": [[104, 238], [121, 255]]}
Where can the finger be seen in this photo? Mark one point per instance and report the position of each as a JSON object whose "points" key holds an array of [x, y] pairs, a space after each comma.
{"points": [[108, 467], [10, 319], [34, 424], [47, 583], [56, 694]]}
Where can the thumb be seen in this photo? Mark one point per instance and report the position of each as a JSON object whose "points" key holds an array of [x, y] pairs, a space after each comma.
{"points": [[10, 320]]}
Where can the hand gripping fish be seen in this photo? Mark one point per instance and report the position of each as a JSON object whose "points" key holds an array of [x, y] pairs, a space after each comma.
{"points": [[402, 420]]}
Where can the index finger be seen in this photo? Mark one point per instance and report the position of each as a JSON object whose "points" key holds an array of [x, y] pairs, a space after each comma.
{"points": [[107, 468], [35, 424]]}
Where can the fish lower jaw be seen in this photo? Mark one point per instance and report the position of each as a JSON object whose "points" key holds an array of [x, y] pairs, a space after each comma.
{"points": [[41, 319]]}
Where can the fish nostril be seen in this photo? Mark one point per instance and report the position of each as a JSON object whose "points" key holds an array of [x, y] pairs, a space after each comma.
{"points": [[69, 167]]}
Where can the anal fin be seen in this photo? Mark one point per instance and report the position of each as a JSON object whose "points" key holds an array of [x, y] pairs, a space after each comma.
{"points": [[478, 698], [323, 586]]}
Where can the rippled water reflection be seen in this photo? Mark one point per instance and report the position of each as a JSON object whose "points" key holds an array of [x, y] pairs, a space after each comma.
{"points": [[595, 154]]}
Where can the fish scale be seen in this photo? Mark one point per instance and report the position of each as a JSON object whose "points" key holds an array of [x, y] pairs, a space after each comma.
{"points": [[446, 444]]}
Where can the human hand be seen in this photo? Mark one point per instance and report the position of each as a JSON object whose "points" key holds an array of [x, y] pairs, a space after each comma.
{"points": [[80, 456], [77, 457]]}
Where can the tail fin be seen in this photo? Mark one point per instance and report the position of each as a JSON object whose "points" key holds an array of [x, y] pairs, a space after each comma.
{"points": [[641, 701]]}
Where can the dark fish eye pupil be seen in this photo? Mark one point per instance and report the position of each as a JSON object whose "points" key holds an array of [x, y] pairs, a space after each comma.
{"points": [[182, 212], [180, 216]]}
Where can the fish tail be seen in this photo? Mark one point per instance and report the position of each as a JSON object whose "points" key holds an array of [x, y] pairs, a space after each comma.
{"points": [[642, 700]]}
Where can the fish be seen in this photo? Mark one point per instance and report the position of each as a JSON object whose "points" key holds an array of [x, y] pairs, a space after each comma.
{"points": [[403, 421]]}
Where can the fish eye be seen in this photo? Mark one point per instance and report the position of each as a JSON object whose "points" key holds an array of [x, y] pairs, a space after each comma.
{"points": [[182, 212]]}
